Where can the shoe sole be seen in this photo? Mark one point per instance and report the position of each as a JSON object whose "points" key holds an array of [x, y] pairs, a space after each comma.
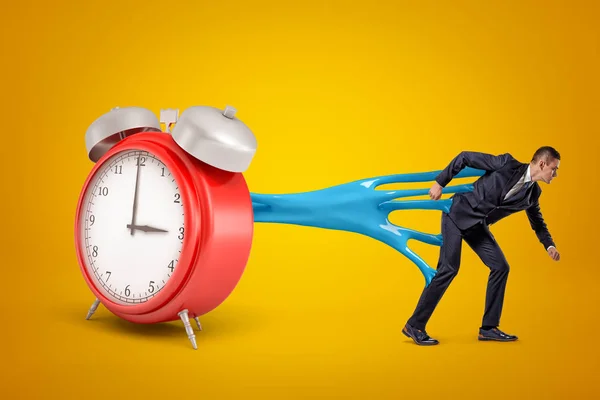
{"points": [[415, 340], [496, 340]]}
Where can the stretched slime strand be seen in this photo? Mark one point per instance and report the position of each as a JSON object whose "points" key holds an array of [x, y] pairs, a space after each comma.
{"points": [[357, 207]]}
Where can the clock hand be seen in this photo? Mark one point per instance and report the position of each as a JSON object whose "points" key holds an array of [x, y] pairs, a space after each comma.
{"points": [[135, 194], [145, 228]]}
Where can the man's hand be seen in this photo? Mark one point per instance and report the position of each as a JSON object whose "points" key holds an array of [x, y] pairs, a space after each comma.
{"points": [[436, 191], [553, 253]]}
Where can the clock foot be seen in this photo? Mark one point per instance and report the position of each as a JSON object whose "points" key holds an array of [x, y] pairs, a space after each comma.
{"points": [[188, 327], [198, 323], [93, 309]]}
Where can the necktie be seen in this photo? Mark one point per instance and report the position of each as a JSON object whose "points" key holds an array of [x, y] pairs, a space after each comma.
{"points": [[517, 188]]}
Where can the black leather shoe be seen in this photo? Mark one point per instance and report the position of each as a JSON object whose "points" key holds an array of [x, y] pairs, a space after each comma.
{"points": [[495, 334], [420, 337]]}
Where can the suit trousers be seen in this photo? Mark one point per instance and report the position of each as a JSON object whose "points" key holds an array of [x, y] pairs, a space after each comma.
{"points": [[481, 240]]}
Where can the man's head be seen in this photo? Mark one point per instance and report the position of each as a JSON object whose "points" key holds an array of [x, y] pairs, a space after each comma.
{"points": [[544, 164]]}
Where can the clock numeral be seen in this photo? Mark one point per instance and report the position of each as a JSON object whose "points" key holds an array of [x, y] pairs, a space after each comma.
{"points": [[119, 170], [108, 272], [151, 288], [127, 291], [95, 251], [103, 191], [163, 171], [180, 237], [171, 265], [141, 161], [177, 197], [92, 219]]}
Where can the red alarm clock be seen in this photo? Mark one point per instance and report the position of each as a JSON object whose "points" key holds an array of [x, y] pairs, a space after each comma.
{"points": [[164, 222]]}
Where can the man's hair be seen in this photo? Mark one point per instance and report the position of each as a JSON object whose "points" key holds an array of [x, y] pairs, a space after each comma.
{"points": [[545, 151]]}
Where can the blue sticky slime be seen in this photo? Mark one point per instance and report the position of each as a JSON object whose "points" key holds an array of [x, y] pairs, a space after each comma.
{"points": [[358, 207]]}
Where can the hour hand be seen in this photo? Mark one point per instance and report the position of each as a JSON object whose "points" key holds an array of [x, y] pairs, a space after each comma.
{"points": [[144, 228]]}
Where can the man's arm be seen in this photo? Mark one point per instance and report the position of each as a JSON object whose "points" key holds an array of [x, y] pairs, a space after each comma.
{"points": [[539, 226], [487, 162]]}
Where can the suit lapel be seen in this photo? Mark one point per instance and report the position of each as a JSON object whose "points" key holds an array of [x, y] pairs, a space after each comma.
{"points": [[517, 174]]}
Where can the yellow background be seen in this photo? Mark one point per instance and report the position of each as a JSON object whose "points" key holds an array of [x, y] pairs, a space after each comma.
{"points": [[334, 92]]}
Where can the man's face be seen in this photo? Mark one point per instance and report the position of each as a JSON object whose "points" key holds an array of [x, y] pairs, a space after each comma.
{"points": [[549, 168]]}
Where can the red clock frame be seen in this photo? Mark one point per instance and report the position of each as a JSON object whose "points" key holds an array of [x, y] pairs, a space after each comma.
{"points": [[219, 224]]}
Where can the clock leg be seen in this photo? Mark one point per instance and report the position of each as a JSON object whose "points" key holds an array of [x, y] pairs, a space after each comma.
{"points": [[198, 323], [188, 327], [93, 309]]}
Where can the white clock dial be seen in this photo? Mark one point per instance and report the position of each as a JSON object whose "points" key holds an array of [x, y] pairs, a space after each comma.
{"points": [[132, 251]]}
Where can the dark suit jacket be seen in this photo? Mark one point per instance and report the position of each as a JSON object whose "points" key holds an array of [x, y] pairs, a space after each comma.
{"points": [[485, 203]]}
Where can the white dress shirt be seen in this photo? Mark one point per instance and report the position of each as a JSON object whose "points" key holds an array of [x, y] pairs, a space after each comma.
{"points": [[524, 179]]}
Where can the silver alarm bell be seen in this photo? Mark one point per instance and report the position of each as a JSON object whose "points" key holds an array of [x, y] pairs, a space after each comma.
{"points": [[216, 137], [115, 126]]}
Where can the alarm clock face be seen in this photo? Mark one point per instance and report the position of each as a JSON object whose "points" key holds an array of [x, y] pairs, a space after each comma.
{"points": [[131, 227]]}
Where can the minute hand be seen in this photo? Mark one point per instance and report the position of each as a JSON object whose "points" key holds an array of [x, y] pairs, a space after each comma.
{"points": [[135, 195], [144, 228]]}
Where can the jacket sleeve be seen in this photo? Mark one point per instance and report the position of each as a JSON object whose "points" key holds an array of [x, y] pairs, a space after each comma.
{"points": [[487, 162], [538, 225]]}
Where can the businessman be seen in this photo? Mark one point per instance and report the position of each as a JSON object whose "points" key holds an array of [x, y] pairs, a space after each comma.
{"points": [[508, 186]]}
